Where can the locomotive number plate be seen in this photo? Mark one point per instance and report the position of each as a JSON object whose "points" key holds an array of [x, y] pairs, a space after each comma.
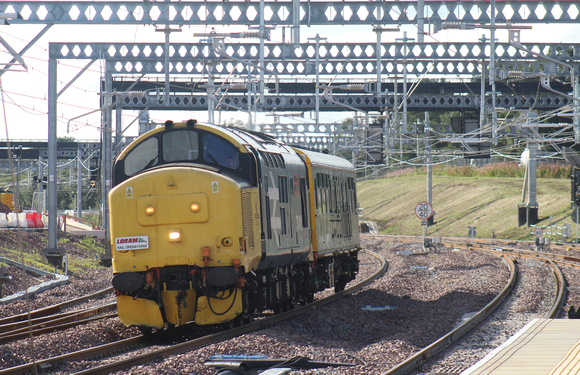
{"points": [[132, 243]]}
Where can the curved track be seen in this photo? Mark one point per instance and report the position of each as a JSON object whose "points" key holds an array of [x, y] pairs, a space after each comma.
{"points": [[454, 336], [141, 341]]}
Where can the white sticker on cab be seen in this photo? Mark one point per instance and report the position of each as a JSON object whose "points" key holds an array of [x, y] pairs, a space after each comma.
{"points": [[132, 243]]}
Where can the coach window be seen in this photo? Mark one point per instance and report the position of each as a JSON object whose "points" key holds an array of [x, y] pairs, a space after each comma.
{"points": [[145, 155]]}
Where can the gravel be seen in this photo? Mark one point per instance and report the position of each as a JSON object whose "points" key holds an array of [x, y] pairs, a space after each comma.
{"points": [[421, 298]]}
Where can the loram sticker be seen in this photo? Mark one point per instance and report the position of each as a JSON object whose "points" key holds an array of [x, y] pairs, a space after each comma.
{"points": [[132, 243]]}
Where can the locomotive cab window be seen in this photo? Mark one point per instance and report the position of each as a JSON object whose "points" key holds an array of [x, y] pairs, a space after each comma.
{"points": [[219, 151], [185, 146], [180, 146], [144, 156]]}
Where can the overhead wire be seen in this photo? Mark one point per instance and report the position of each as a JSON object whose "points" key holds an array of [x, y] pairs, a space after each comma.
{"points": [[18, 232]]}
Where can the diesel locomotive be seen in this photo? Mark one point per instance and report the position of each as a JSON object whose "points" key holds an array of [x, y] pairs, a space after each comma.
{"points": [[213, 225]]}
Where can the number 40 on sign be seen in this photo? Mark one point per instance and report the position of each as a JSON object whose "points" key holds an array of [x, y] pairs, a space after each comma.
{"points": [[423, 210]]}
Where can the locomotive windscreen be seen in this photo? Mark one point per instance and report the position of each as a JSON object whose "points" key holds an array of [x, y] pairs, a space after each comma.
{"points": [[183, 146]]}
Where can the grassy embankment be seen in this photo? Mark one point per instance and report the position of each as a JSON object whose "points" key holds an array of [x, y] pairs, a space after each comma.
{"points": [[464, 197]]}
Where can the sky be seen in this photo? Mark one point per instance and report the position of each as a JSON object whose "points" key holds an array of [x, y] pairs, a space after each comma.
{"points": [[24, 105]]}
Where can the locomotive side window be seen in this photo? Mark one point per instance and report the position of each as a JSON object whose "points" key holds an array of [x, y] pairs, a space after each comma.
{"points": [[143, 156], [304, 202], [268, 216], [283, 189], [218, 151], [180, 145]]}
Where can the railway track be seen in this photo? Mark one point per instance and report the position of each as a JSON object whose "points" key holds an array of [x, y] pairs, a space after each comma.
{"points": [[123, 346], [509, 255], [53, 309], [54, 318], [45, 324]]}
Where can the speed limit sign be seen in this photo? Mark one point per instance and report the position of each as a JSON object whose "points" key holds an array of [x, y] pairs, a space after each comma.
{"points": [[423, 210]]}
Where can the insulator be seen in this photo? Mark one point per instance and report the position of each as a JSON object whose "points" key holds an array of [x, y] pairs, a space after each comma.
{"points": [[456, 25], [353, 87], [236, 86], [246, 34]]}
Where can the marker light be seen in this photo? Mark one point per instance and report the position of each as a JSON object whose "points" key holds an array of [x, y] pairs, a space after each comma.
{"points": [[149, 210], [195, 207], [175, 236]]}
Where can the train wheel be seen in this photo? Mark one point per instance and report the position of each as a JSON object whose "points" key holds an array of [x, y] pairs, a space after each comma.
{"points": [[339, 286], [248, 319], [146, 331], [235, 322]]}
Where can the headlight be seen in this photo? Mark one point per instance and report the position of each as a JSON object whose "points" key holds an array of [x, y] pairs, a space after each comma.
{"points": [[149, 210], [175, 235], [195, 207]]}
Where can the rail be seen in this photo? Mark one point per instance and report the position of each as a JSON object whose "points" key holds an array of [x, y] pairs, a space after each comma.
{"points": [[139, 341], [428, 352], [436, 347]]}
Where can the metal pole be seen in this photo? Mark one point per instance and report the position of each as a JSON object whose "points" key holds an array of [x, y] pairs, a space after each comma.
{"points": [[379, 65], [53, 254], [118, 127], [52, 149], [17, 192], [482, 92], [386, 140], [79, 185], [396, 116], [317, 89], [405, 80], [429, 159], [106, 163], [296, 22], [532, 147], [210, 94], [262, 63], [492, 74], [420, 21], [250, 90], [576, 93], [166, 66]]}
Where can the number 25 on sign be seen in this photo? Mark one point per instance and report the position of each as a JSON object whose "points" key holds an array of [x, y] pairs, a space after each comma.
{"points": [[423, 210]]}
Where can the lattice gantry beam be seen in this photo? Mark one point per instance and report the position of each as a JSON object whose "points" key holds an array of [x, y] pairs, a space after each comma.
{"points": [[335, 58], [364, 102], [362, 67], [280, 12], [327, 51]]}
